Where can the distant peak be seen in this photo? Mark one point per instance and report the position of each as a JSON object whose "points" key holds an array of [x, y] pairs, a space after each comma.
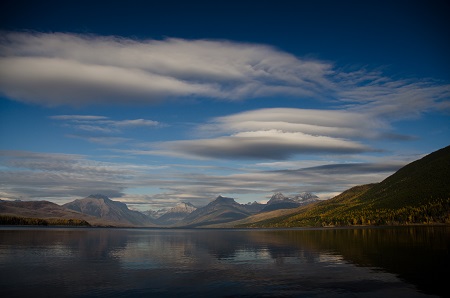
{"points": [[277, 198], [278, 195]]}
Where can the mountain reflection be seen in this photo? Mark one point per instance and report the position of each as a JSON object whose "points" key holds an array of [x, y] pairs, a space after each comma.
{"points": [[406, 252], [101, 262]]}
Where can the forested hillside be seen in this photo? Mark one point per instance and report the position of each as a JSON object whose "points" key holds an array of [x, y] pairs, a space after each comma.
{"points": [[417, 193]]}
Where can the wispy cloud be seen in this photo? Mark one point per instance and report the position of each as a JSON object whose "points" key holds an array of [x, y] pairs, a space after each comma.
{"points": [[92, 120], [83, 69], [103, 140], [73, 69], [100, 129], [374, 93], [64, 177], [78, 117], [135, 123], [58, 176]]}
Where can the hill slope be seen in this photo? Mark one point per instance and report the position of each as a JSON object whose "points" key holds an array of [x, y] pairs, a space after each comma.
{"points": [[417, 193], [22, 212], [415, 183]]}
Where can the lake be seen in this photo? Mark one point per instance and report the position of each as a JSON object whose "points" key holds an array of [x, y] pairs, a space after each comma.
{"points": [[350, 262]]}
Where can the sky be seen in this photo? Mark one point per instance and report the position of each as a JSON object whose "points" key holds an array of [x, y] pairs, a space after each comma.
{"points": [[153, 103]]}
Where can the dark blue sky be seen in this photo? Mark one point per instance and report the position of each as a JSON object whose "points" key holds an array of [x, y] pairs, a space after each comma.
{"points": [[400, 34], [156, 102]]}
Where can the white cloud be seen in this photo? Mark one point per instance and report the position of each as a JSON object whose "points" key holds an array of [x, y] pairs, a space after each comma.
{"points": [[373, 93], [267, 144], [78, 117], [277, 134], [135, 123], [73, 69], [331, 123], [58, 68]]}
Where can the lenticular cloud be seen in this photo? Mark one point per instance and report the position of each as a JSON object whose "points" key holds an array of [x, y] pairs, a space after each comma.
{"points": [[58, 68], [73, 69], [270, 144]]}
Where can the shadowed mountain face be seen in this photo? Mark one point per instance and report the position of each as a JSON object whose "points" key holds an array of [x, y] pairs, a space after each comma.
{"points": [[417, 193], [102, 207]]}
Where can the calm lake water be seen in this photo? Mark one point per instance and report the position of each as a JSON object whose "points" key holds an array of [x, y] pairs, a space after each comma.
{"points": [[92, 262]]}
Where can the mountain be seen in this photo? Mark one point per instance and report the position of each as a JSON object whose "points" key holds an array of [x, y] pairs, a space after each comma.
{"points": [[417, 193], [277, 198], [305, 198], [102, 207], [279, 201], [221, 210], [176, 214]]}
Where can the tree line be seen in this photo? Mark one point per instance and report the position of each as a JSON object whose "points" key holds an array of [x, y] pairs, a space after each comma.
{"points": [[434, 212], [16, 220]]}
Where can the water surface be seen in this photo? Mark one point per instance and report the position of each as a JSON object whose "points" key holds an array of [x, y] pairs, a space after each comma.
{"points": [[92, 262]]}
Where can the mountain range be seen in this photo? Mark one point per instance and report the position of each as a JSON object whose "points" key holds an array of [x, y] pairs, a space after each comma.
{"points": [[417, 193], [99, 210]]}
